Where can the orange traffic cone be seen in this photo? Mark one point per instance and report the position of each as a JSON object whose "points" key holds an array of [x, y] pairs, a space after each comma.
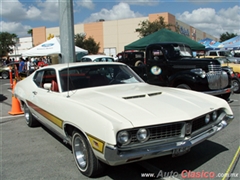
{"points": [[16, 108]]}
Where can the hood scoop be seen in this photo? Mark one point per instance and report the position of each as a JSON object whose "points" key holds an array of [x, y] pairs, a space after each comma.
{"points": [[142, 95]]}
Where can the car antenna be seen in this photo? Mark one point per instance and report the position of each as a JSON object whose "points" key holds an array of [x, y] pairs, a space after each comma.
{"points": [[68, 78]]}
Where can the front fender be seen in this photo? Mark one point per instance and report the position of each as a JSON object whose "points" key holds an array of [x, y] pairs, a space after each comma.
{"points": [[194, 81]]}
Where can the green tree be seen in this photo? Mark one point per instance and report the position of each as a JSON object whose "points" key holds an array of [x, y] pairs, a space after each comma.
{"points": [[30, 32], [147, 27], [87, 43], [226, 36], [7, 43]]}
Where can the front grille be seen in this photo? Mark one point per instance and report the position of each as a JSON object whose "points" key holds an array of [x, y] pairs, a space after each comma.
{"points": [[198, 124], [214, 68], [166, 131], [217, 79]]}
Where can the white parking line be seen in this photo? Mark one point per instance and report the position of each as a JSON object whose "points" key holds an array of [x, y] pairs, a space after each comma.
{"points": [[8, 117]]}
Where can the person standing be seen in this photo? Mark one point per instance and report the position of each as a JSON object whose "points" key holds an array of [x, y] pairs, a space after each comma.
{"points": [[40, 63], [28, 66], [21, 65]]}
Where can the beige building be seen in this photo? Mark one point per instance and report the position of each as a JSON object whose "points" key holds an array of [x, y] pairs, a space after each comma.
{"points": [[114, 35]]}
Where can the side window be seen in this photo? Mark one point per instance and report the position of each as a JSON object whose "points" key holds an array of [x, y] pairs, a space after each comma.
{"points": [[49, 75], [97, 60], [38, 78], [213, 54], [221, 53], [157, 55], [45, 76], [86, 60]]}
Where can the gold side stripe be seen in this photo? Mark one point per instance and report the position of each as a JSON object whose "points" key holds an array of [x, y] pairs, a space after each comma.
{"points": [[96, 143], [55, 120]]}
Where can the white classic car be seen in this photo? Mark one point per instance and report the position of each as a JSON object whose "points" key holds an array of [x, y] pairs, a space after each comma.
{"points": [[111, 116]]}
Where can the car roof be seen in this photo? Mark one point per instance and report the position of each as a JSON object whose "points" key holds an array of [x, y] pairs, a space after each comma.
{"points": [[96, 56], [76, 64]]}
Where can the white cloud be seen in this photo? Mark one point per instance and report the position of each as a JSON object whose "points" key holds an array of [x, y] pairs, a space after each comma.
{"points": [[14, 13], [85, 3], [14, 27], [120, 11], [212, 22], [49, 10], [142, 2]]}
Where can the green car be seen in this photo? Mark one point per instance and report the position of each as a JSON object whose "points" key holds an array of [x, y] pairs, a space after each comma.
{"points": [[4, 70]]}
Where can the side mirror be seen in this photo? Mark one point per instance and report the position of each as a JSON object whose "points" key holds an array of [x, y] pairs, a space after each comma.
{"points": [[47, 86]]}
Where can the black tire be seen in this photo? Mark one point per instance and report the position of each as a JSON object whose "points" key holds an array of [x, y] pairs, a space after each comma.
{"points": [[31, 121], [138, 63], [86, 161], [236, 85], [226, 96], [5, 75], [183, 86]]}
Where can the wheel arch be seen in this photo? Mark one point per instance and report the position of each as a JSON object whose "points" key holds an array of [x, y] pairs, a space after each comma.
{"points": [[186, 77], [69, 129]]}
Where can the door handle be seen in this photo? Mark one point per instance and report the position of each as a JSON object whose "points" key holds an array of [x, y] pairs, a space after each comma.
{"points": [[34, 92]]}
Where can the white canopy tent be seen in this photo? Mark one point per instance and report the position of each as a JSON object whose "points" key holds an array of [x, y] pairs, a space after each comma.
{"points": [[49, 47]]}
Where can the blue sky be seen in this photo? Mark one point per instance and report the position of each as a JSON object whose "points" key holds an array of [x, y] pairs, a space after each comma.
{"points": [[214, 17]]}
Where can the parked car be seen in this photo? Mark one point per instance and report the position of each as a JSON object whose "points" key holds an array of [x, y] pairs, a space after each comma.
{"points": [[131, 58], [4, 70], [109, 115], [97, 58], [225, 62], [222, 52]]}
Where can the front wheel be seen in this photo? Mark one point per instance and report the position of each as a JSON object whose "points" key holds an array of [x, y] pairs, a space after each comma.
{"points": [[5, 75], [183, 86], [236, 85], [31, 121], [84, 157], [225, 96]]}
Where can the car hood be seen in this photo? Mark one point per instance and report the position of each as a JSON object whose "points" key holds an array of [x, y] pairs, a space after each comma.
{"points": [[236, 67], [142, 104]]}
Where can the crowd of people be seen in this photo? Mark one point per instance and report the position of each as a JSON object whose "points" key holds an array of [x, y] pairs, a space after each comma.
{"points": [[28, 65]]}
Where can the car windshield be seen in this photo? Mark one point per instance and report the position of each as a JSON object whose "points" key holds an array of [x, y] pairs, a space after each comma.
{"points": [[104, 59], [96, 75], [225, 53]]}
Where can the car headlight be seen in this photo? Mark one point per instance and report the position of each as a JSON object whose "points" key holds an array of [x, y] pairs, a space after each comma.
{"points": [[188, 128], [123, 137], [142, 135], [199, 72], [214, 115], [207, 118]]}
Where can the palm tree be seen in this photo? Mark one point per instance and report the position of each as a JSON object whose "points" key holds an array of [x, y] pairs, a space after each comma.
{"points": [[30, 31]]}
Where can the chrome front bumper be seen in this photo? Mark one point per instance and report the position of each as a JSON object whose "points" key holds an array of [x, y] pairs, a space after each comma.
{"points": [[219, 92], [113, 156]]}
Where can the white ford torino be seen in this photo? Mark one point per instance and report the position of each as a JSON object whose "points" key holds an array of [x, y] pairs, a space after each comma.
{"points": [[111, 116]]}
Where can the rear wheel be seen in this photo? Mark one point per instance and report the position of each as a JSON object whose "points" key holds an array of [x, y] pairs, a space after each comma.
{"points": [[84, 157], [138, 63], [31, 121]]}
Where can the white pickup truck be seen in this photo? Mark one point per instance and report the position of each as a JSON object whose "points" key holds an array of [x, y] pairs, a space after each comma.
{"points": [[226, 53]]}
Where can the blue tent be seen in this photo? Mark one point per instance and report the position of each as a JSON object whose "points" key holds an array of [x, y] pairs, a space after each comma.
{"points": [[209, 43], [233, 43]]}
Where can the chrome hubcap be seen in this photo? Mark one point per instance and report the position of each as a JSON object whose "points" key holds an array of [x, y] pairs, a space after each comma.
{"points": [[235, 86], [80, 152], [26, 115]]}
